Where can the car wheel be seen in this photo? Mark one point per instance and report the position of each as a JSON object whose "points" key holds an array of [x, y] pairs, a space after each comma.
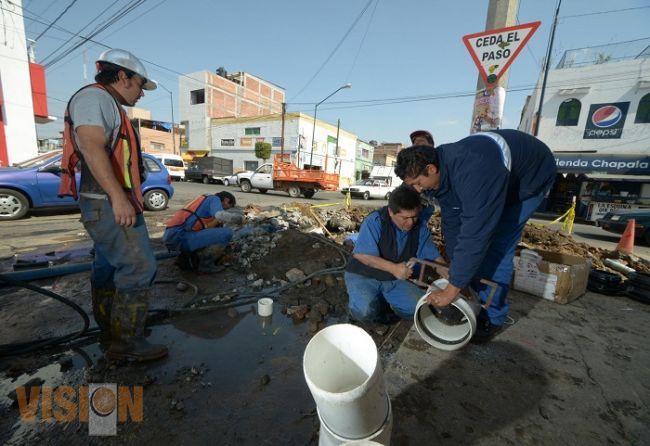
{"points": [[387, 196], [205, 179], [309, 193], [245, 186], [263, 191], [226, 182], [13, 204], [294, 191], [366, 195], [156, 200]]}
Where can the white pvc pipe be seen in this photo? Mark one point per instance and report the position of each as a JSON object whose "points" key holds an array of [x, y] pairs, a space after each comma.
{"points": [[439, 334], [380, 438], [343, 372]]}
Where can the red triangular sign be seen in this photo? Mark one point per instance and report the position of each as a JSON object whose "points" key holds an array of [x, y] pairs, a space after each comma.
{"points": [[493, 51]]}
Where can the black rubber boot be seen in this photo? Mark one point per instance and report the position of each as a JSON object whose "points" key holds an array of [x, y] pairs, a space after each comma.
{"points": [[128, 317], [102, 300]]}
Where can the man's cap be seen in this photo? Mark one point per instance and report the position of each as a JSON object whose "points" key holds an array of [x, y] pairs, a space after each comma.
{"points": [[424, 133], [124, 59]]}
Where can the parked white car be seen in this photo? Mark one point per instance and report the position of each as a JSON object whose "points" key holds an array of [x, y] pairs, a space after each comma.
{"points": [[233, 180], [370, 188]]}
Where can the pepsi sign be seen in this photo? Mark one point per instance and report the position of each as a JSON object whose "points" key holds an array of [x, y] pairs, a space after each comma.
{"points": [[606, 121]]}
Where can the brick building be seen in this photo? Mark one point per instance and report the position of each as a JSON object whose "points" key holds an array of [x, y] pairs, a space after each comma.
{"points": [[204, 96]]}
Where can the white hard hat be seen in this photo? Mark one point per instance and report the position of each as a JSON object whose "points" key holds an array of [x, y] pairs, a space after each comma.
{"points": [[124, 59]]}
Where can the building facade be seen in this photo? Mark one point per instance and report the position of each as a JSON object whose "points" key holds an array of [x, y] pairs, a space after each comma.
{"points": [[385, 154], [596, 119], [363, 160], [235, 138], [204, 96], [155, 136], [23, 98]]}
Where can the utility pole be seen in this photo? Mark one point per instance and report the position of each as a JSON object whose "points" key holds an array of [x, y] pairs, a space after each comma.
{"points": [[547, 63], [284, 112], [501, 14]]}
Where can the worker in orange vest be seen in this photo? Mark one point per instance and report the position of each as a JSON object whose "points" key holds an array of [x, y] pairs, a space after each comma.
{"points": [[99, 134], [199, 225]]}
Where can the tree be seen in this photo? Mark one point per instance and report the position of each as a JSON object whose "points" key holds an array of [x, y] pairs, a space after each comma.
{"points": [[263, 150]]}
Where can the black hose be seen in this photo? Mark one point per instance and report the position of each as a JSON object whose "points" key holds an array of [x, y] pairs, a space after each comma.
{"points": [[26, 347]]}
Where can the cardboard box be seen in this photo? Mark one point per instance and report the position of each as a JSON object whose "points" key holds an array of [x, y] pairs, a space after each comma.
{"points": [[557, 277]]}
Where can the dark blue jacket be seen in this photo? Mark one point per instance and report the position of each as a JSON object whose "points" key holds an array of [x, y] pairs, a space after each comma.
{"points": [[475, 187]]}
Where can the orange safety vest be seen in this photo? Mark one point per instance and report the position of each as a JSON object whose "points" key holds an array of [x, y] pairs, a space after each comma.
{"points": [[124, 155], [181, 216]]}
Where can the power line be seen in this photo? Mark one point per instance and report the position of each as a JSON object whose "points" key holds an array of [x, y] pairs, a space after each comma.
{"points": [[109, 22], [363, 11], [602, 12], [55, 20], [356, 56]]}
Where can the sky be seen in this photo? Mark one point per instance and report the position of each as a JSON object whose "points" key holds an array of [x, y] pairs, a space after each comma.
{"points": [[400, 56]]}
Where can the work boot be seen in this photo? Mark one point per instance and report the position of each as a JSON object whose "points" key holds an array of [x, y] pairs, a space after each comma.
{"points": [[128, 317], [102, 300]]}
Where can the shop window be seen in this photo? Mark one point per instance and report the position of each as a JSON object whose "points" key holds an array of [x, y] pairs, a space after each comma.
{"points": [[643, 111], [197, 96], [250, 165], [568, 113], [252, 131]]}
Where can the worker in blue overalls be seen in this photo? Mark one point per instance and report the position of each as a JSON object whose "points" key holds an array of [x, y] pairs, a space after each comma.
{"points": [[487, 185], [197, 226], [377, 275]]}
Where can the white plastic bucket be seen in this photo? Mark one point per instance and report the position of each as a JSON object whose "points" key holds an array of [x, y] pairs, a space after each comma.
{"points": [[439, 334], [380, 438], [265, 307], [343, 372]]}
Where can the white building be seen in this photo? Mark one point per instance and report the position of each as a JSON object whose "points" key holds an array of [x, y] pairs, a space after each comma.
{"points": [[23, 101], [596, 120], [235, 138]]}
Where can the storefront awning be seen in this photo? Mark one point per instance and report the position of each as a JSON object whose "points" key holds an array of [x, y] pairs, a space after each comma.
{"points": [[618, 177]]}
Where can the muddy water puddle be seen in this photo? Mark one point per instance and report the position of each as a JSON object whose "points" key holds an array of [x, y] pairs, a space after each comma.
{"points": [[231, 376]]}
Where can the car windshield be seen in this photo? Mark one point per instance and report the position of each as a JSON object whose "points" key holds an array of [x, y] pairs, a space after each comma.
{"points": [[38, 161], [364, 183]]}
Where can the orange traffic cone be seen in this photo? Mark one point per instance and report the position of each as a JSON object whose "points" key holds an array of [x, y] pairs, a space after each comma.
{"points": [[626, 244]]}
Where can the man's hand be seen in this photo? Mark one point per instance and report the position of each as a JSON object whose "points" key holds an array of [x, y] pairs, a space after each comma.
{"points": [[444, 297], [215, 223], [402, 271], [123, 210]]}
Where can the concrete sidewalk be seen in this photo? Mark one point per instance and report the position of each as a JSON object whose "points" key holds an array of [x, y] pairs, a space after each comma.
{"points": [[575, 374]]}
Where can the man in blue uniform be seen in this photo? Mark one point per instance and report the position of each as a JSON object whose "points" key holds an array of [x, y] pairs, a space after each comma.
{"points": [[377, 276], [198, 226], [487, 185]]}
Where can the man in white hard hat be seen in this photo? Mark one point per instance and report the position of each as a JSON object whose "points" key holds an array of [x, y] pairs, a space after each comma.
{"points": [[99, 134]]}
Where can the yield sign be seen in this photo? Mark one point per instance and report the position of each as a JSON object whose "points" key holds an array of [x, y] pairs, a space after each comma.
{"points": [[493, 51]]}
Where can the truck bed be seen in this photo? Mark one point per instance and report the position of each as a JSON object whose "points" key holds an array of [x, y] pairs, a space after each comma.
{"points": [[285, 171]]}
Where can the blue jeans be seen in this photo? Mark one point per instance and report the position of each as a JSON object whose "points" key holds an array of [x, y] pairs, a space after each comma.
{"points": [[368, 297], [180, 240], [497, 265], [123, 256]]}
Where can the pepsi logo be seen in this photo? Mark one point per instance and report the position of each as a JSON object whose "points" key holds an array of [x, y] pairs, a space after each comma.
{"points": [[606, 116]]}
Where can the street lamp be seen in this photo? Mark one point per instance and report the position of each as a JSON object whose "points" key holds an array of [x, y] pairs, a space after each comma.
{"points": [[171, 102], [313, 134]]}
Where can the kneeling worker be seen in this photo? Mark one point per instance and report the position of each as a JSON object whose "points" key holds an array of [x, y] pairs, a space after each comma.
{"points": [[195, 227], [377, 275]]}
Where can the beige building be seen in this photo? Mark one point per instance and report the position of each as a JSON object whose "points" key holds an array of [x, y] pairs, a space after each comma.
{"points": [[155, 136], [386, 153]]}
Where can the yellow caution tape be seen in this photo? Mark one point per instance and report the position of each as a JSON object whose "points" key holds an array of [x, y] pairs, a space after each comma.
{"points": [[568, 217]]}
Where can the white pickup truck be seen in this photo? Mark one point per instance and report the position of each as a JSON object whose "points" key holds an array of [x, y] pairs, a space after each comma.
{"points": [[381, 183]]}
